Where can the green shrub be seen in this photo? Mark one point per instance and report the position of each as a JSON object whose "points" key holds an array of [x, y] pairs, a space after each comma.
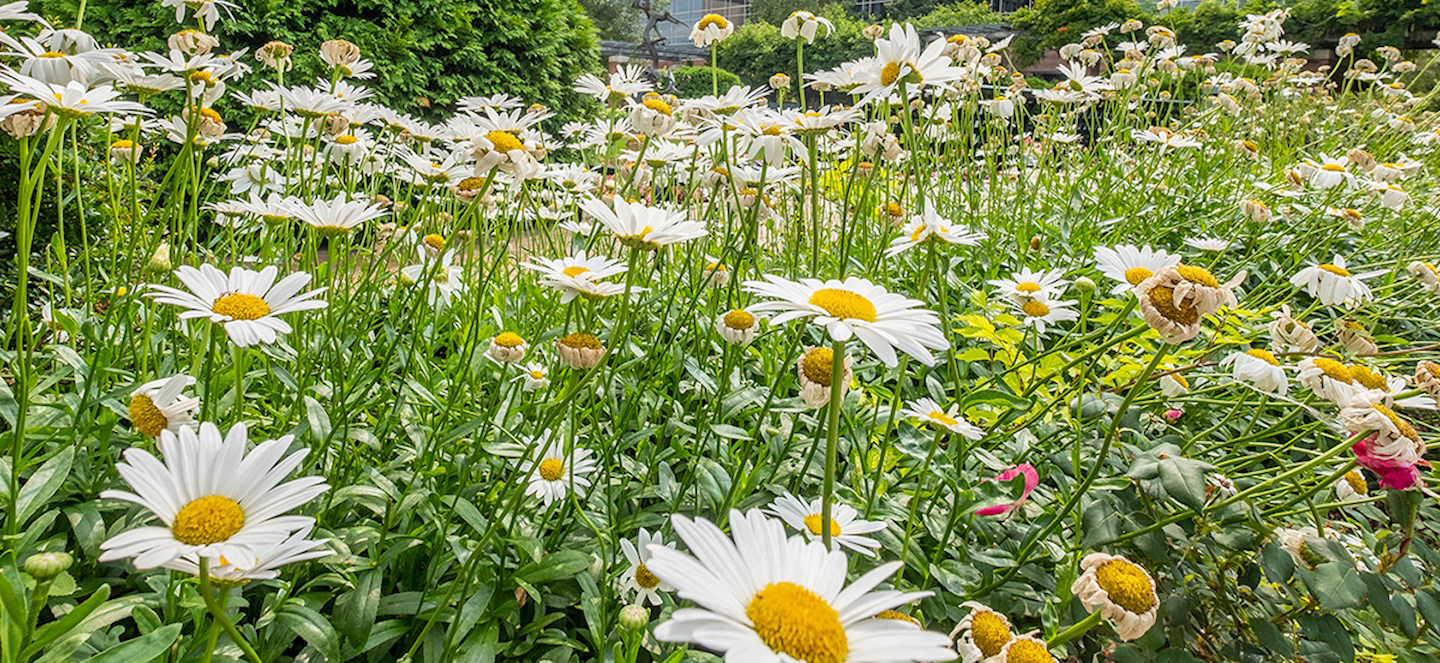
{"points": [[426, 52], [693, 82]]}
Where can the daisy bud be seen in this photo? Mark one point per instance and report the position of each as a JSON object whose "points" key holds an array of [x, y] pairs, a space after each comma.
{"points": [[780, 82], [580, 351], [634, 617], [160, 260], [508, 347], [1173, 415], [873, 32], [1131, 25], [44, 566], [1084, 285]]}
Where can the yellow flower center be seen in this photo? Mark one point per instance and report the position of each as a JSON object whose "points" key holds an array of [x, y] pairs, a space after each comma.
{"points": [[210, 114], [1338, 271], [843, 304], [52, 54], [658, 106], [574, 270], [1162, 297], [434, 241], [346, 139], [1357, 482], [581, 341], [989, 632], [551, 469], [537, 375], [894, 209], [202, 77], [772, 130], [1128, 585], [509, 340], [1404, 427], [210, 519], [794, 621], [739, 320], [919, 230], [122, 144], [645, 578], [897, 615], [240, 306], [890, 74], [504, 141], [1197, 275], [1367, 377], [1334, 369], [1333, 167], [1180, 380], [943, 418], [712, 19], [1135, 275], [1028, 287], [1028, 651], [1263, 355], [814, 521], [1035, 308], [816, 365], [147, 418]]}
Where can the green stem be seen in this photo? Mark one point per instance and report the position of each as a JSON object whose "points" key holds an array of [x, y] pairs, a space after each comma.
{"points": [[218, 612], [832, 436], [1075, 631]]}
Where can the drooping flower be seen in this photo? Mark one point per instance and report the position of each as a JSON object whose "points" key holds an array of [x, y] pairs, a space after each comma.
{"points": [[982, 634], [1333, 284], [1260, 369]]}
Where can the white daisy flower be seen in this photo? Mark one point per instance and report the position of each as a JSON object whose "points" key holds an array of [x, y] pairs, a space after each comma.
{"points": [[1213, 244], [1038, 312], [1028, 284], [737, 327], [763, 598], [442, 277], [644, 226], [1258, 368], [1128, 265], [579, 275], [553, 473], [931, 227], [1333, 284], [638, 577], [157, 406], [804, 25], [535, 377], [927, 411], [215, 499], [245, 302], [1122, 591], [338, 215], [1352, 486], [710, 29], [846, 529], [855, 307]]}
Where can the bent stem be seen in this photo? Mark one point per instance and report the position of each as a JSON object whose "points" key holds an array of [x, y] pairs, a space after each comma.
{"points": [[832, 435], [217, 611], [1075, 631]]}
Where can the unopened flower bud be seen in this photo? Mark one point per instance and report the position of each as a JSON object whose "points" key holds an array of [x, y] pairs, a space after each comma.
{"points": [[44, 566], [634, 617], [1084, 285], [160, 259]]}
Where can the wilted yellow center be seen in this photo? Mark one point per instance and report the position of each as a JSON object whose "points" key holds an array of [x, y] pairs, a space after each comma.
{"points": [[1128, 585], [1404, 427], [712, 19], [1357, 482], [1197, 275], [989, 632], [1163, 299], [817, 364], [1367, 377], [794, 621], [843, 304], [509, 340], [739, 320], [578, 340], [210, 519], [1028, 651], [1263, 355]]}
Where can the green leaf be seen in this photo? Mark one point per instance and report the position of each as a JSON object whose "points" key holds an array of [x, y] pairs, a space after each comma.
{"points": [[43, 483], [1278, 564], [1429, 608], [1269, 635], [1184, 480], [312, 627], [555, 566], [140, 650], [355, 610], [1338, 585], [54, 630]]}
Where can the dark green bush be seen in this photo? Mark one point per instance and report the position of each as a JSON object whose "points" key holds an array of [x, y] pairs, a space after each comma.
{"points": [[426, 52], [693, 82]]}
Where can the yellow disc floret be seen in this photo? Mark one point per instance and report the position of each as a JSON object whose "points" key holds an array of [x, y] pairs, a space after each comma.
{"points": [[210, 519], [240, 306], [844, 304], [147, 418], [796, 622], [1127, 585]]}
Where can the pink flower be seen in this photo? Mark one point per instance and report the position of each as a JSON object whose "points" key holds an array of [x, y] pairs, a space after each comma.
{"points": [[1173, 415], [1392, 474], [1032, 479]]}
